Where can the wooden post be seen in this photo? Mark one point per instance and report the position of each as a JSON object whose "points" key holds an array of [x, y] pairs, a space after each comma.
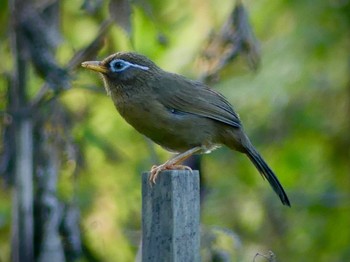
{"points": [[170, 217]]}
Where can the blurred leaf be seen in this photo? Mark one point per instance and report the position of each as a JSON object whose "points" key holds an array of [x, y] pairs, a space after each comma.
{"points": [[245, 35], [235, 37], [120, 12], [90, 51]]}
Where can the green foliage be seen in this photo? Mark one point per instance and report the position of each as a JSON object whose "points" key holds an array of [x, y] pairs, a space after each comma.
{"points": [[295, 109]]}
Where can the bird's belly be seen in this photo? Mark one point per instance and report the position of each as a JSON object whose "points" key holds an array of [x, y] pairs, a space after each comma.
{"points": [[175, 131]]}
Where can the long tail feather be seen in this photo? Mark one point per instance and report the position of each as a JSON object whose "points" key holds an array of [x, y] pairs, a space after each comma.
{"points": [[266, 172]]}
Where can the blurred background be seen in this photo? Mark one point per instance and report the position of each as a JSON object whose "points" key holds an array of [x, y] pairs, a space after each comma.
{"points": [[70, 185]]}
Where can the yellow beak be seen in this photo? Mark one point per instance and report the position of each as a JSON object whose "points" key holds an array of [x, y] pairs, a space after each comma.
{"points": [[95, 66]]}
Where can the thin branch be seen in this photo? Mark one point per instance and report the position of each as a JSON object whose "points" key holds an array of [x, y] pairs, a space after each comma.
{"points": [[45, 93]]}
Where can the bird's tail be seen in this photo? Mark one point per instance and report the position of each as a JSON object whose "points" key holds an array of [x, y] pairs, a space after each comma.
{"points": [[267, 173]]}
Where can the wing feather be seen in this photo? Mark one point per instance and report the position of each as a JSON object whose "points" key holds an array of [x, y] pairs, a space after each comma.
{"points": [[195, 98]]}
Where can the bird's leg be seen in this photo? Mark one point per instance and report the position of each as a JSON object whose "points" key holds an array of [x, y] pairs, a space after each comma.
{"points": [[173, 163]]}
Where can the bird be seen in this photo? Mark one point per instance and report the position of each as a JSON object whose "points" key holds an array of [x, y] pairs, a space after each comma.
{"points": [[183, 116]]}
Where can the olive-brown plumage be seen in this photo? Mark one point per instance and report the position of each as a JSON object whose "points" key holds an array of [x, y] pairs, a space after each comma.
{"points": [[181, 115]]}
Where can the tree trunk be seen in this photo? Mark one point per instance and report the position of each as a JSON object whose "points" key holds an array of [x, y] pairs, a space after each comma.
{"points": [[22, 226]]}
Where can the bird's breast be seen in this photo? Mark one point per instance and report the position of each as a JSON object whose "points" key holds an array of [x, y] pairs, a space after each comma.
{"points": [[168, 127]]}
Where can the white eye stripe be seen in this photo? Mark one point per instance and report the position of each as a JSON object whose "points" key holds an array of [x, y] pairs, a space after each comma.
{"points": [[139, 66], [124, 65]]}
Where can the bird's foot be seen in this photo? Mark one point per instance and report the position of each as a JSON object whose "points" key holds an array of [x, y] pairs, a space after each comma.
{"points": [[155, 170], [173, 163]]}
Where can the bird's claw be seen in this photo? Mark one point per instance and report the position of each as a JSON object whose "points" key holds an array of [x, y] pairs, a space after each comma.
{"points": [[154, 174], [155, 170]]}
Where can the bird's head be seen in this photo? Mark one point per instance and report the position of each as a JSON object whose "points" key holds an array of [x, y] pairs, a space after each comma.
{"points": [[123, 68]]}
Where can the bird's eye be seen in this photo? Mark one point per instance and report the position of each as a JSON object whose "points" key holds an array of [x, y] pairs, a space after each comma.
{"points": [[118, 65]]}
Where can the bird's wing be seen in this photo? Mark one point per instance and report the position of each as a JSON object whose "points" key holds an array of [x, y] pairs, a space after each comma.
{"points": [[193, 97]]}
